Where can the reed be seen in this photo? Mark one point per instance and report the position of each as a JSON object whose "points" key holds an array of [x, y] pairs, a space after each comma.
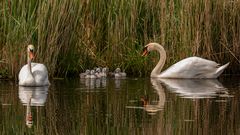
{"points": [[71, 36]]}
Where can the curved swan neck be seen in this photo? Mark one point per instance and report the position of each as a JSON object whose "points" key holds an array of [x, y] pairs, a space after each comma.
{"points": [[157, 70], [29, 61]]}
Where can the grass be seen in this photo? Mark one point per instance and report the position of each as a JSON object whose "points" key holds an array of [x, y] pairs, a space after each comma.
{"points": [[71, 36]]}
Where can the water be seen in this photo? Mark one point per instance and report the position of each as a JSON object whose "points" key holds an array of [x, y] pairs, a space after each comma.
{"points": [[127, 106]]}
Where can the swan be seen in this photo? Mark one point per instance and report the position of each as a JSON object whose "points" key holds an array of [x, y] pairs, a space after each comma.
{"points": [[104, 72], [98, 72], [92, 74], [118, 74], [83, 75], [33, 74], [191, 67]]}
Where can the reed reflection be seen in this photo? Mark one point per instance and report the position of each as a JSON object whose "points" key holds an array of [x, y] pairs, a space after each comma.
{"points": [[32, 96], [195, 88]]}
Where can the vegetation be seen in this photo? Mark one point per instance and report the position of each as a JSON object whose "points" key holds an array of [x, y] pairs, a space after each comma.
{"points": [[72, 35]]}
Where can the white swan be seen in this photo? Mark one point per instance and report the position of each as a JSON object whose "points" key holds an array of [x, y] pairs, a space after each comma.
{"points": [[33, 74], [192, 67]]}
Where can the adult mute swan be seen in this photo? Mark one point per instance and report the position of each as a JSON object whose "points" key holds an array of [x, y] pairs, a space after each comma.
{"points": [[191, 67], [33, 74]]}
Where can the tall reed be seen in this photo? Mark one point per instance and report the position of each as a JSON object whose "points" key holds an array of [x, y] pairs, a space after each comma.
{"points": [[71, 36]]}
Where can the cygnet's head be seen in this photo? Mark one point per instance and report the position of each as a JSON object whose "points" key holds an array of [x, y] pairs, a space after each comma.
{"points": [[98, 70], [117, 70], [92, 72], [87, 71]]}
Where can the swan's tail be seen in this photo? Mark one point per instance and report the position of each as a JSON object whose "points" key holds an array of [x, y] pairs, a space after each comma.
{"points": [[221, 69]]}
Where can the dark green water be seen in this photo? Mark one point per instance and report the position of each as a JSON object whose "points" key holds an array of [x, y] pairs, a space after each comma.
{"points": [[130, 106]]}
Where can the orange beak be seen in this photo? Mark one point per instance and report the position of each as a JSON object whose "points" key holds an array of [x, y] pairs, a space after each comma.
{"points": [[145, 51], [31, 55], [29, 117]]}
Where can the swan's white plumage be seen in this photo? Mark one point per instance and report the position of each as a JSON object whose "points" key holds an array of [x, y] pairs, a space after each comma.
{"points": [[39, 72], [192, 67], [36, 75]]}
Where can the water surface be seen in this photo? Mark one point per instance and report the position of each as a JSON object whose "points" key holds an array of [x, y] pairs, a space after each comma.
{"points": [[122, 106]]}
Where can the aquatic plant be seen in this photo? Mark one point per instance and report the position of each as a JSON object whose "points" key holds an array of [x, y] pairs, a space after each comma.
{"points": [[71, 36]]}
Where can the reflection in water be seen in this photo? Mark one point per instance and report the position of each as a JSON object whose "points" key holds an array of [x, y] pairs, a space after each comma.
{"points": [[153, 108], [32, 96], [93, 83], [195, 88], [69, 110], [117, 83]]}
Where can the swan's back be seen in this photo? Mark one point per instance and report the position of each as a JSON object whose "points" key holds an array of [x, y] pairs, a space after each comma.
{"points": [[194, 67], [40, 75]]}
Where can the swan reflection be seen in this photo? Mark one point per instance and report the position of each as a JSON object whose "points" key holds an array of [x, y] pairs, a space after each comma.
{"points": [[32, 96], [195, 88], [153, 107]]}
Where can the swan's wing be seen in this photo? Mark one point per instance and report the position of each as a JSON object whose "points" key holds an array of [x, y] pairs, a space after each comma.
{"points": [[192, 67], [40, 73], [23, 74]]}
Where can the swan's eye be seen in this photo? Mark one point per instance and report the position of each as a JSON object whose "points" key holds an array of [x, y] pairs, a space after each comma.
{"points": [[31, 50]]}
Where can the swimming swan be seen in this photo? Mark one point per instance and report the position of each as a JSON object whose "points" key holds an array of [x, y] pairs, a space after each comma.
{"points": [[192, 67], [33, 74]]}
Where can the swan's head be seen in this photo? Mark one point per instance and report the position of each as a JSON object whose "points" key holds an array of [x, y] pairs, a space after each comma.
{"points": [[30, 50], [149, 47]]}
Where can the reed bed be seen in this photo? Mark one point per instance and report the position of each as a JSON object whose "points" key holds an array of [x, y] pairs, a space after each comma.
{"points": [[71, 36]]}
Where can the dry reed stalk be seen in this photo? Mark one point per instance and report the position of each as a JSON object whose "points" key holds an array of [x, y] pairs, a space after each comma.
{"points": [[71, 36]]}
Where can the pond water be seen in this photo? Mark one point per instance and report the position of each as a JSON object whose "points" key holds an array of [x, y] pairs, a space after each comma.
{"points": [[122, 106]]}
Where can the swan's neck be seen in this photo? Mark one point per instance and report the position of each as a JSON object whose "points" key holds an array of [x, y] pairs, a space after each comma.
{"points": [[29, 65], [157, 70]]}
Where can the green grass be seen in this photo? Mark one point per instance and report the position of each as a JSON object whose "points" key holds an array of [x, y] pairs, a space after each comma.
{"points": [[71, 36]]}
